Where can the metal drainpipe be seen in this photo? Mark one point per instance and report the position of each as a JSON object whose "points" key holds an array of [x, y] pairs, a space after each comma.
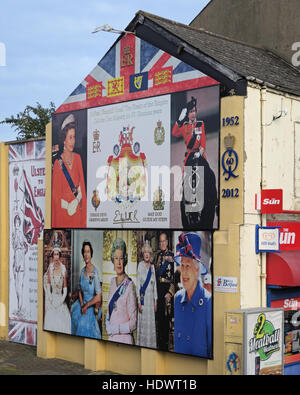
{"points": [[263, 272]]}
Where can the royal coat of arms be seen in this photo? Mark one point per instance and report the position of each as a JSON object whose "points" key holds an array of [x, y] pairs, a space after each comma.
{"points": [[126, 178]]}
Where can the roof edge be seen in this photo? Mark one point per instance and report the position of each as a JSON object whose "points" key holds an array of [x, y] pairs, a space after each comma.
{"points": [[203, 9], [142, 21]]}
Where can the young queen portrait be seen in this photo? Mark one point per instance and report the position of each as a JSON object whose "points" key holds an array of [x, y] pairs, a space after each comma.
{"points": [[68, 185]]}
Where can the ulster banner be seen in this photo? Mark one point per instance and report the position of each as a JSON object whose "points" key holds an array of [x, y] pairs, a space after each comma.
{"points": [[26, 210]]}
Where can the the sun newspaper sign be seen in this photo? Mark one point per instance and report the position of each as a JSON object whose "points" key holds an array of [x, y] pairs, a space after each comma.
{"points": [[269, 201]]}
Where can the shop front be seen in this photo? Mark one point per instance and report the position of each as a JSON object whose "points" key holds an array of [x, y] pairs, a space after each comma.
{"points": [[283, 289]]}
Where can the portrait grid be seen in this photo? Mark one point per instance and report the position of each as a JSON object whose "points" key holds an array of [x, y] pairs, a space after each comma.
{"points": [[137, 291]]}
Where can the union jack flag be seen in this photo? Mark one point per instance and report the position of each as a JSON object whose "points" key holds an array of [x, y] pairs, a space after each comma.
{"points": [[27, 151], [21, 331], [133, 69], [33, 224]]}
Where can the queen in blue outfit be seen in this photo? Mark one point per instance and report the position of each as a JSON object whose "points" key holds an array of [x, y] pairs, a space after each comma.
{"points": [[192, 305], [85, 317]]}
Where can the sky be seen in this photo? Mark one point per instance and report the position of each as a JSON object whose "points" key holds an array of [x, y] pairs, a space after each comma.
{"points": [[47, 47]]}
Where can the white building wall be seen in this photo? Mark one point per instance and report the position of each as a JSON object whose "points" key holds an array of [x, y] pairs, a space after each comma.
{"points": [[250, 262], [281, 147], [272, 161]]}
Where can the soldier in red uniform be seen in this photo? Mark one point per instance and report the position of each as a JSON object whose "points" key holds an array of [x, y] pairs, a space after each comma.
{"points": [[191, 129], [193, 133]]}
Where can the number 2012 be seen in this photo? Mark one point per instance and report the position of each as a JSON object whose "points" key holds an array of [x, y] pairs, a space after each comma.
{"points": [[231, 121], [228, 193]]}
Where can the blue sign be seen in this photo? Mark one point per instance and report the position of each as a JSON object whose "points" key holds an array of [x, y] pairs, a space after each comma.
{"points": [[267, 239], [138, 82]]}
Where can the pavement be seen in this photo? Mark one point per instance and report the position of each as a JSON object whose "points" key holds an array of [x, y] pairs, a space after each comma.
{"points": [[20, 359]]}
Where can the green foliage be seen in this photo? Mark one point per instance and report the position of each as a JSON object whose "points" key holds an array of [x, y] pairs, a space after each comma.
{"points": [[32, 121]]}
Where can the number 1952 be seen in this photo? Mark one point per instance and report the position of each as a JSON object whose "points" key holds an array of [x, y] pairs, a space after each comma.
{"points": [[231, 121]]}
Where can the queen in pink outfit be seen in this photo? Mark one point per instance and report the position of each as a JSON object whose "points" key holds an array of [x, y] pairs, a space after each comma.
{"points": [[122, 305]]}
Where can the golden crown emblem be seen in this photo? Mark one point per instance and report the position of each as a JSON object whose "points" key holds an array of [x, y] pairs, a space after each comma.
{"points": [[96, 134], [229, 141]]}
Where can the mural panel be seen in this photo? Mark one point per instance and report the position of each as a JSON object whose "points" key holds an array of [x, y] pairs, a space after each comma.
{"points": [[26, 212], [147, 288]]}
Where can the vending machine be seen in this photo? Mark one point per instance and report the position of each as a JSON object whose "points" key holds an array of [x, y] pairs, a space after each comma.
{"points": [[254, 342]]}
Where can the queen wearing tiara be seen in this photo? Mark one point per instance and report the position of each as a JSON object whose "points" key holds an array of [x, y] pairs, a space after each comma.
{"points": [[68, 185], [57, 315]]}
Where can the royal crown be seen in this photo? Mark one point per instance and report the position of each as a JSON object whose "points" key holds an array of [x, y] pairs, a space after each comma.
{"points": [[96, 134], [229, 141]]}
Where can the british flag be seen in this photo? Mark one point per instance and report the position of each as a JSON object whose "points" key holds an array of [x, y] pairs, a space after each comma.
{"points": [[21, 331], [33, 224], [27, 151], [133, 69]]}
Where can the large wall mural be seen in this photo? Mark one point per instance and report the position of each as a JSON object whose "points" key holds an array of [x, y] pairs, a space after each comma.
{"points": [[135, 183]]}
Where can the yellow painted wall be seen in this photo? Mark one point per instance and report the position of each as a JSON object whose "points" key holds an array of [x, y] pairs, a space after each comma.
{"points": [[227, 240], [231, 208]]}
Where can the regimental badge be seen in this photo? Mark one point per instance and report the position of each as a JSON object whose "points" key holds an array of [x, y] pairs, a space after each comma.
{"points": [[95, 199], [159, 134], [158, 199], [96, 142]]}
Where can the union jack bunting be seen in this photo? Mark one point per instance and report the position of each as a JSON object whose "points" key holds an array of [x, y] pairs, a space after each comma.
{"points": [[133, 69]]}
